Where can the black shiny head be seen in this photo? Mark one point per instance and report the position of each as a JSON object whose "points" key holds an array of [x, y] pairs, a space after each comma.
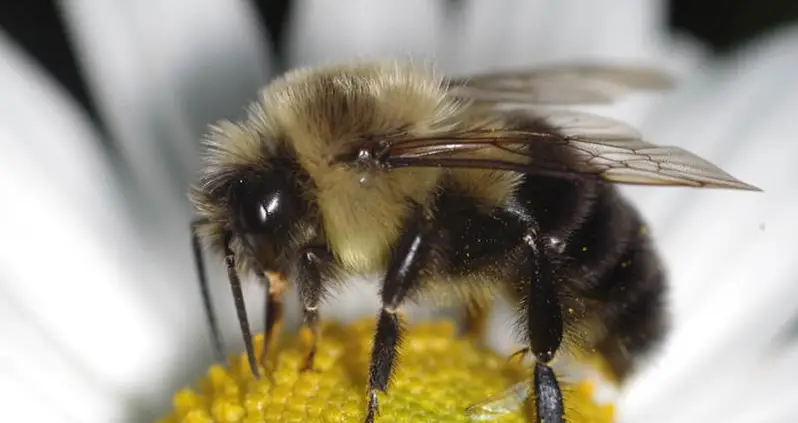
{"points": [[266, 206]]}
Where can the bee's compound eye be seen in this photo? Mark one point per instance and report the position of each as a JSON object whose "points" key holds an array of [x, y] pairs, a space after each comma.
{"points": [[265, 203]]}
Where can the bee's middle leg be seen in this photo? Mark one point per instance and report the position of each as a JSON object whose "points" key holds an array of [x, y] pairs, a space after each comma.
{"points": [[401, 280]]}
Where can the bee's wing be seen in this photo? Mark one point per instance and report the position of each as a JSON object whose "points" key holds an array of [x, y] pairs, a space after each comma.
{"points": [[564, 84], [567, 143], [502, 403]]}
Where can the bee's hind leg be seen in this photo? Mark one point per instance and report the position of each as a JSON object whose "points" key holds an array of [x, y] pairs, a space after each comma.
{"points": [[544, 326]]}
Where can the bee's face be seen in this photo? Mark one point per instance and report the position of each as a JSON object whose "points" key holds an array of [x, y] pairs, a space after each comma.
{"points": [[263, 208], [261, 212]]}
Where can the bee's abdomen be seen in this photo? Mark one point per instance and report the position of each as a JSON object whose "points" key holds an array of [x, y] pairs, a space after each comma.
{"points": [[631, 298], [558, 205], [597, 243], [619, 269], [606, 257]]}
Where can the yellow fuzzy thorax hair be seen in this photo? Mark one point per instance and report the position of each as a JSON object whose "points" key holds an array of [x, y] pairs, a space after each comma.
{"points": [[438, 375]]}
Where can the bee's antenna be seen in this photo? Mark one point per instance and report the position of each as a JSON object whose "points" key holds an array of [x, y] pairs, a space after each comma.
{"points": [[241, 310], [216, 336]]}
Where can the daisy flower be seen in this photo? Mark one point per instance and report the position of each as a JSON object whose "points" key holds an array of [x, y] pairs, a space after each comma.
{"points": [[101, 316]]}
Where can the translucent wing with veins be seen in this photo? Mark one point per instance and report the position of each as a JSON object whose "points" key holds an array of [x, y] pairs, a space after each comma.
{"points": [[561, 144], [563, 84], [502, 403]]}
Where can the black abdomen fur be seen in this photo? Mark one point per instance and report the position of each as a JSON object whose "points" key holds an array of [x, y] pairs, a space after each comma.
{"points": [[606, 265], [607, 258]]}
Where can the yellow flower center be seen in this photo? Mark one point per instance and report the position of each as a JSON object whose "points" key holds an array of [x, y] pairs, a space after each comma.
{"points": [[437, 376]]}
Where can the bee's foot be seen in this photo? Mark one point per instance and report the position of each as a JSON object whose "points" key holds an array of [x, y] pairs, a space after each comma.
{"points": [[372, 410]]}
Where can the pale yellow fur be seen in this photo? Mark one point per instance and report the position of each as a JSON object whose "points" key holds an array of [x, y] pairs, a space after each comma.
{"points": [[323, 112]]}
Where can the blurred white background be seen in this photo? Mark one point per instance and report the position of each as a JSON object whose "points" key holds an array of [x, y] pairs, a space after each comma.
{"points": [[100, 316]]}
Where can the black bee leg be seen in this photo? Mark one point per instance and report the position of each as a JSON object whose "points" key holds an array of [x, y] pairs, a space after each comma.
{"points": [[241, 310], [544, 328], [311, 321], [401, 279], [386, 343], [202, 277], [310, 270]]}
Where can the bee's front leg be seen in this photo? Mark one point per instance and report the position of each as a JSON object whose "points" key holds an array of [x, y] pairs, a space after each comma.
{"points": [[401, 280], [313, 269], [273, 314]]}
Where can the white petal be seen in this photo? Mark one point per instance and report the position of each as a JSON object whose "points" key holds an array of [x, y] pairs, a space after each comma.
{"points": [[322, 31], [728, 253], [161, 72], [75, 330], [520, 33]]}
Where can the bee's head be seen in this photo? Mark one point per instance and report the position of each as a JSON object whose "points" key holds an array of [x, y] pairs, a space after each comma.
{"points": [[256, 207], [265, 208]]}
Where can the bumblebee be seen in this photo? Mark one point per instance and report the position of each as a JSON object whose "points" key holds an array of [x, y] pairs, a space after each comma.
{"points": [[451, 188]]}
